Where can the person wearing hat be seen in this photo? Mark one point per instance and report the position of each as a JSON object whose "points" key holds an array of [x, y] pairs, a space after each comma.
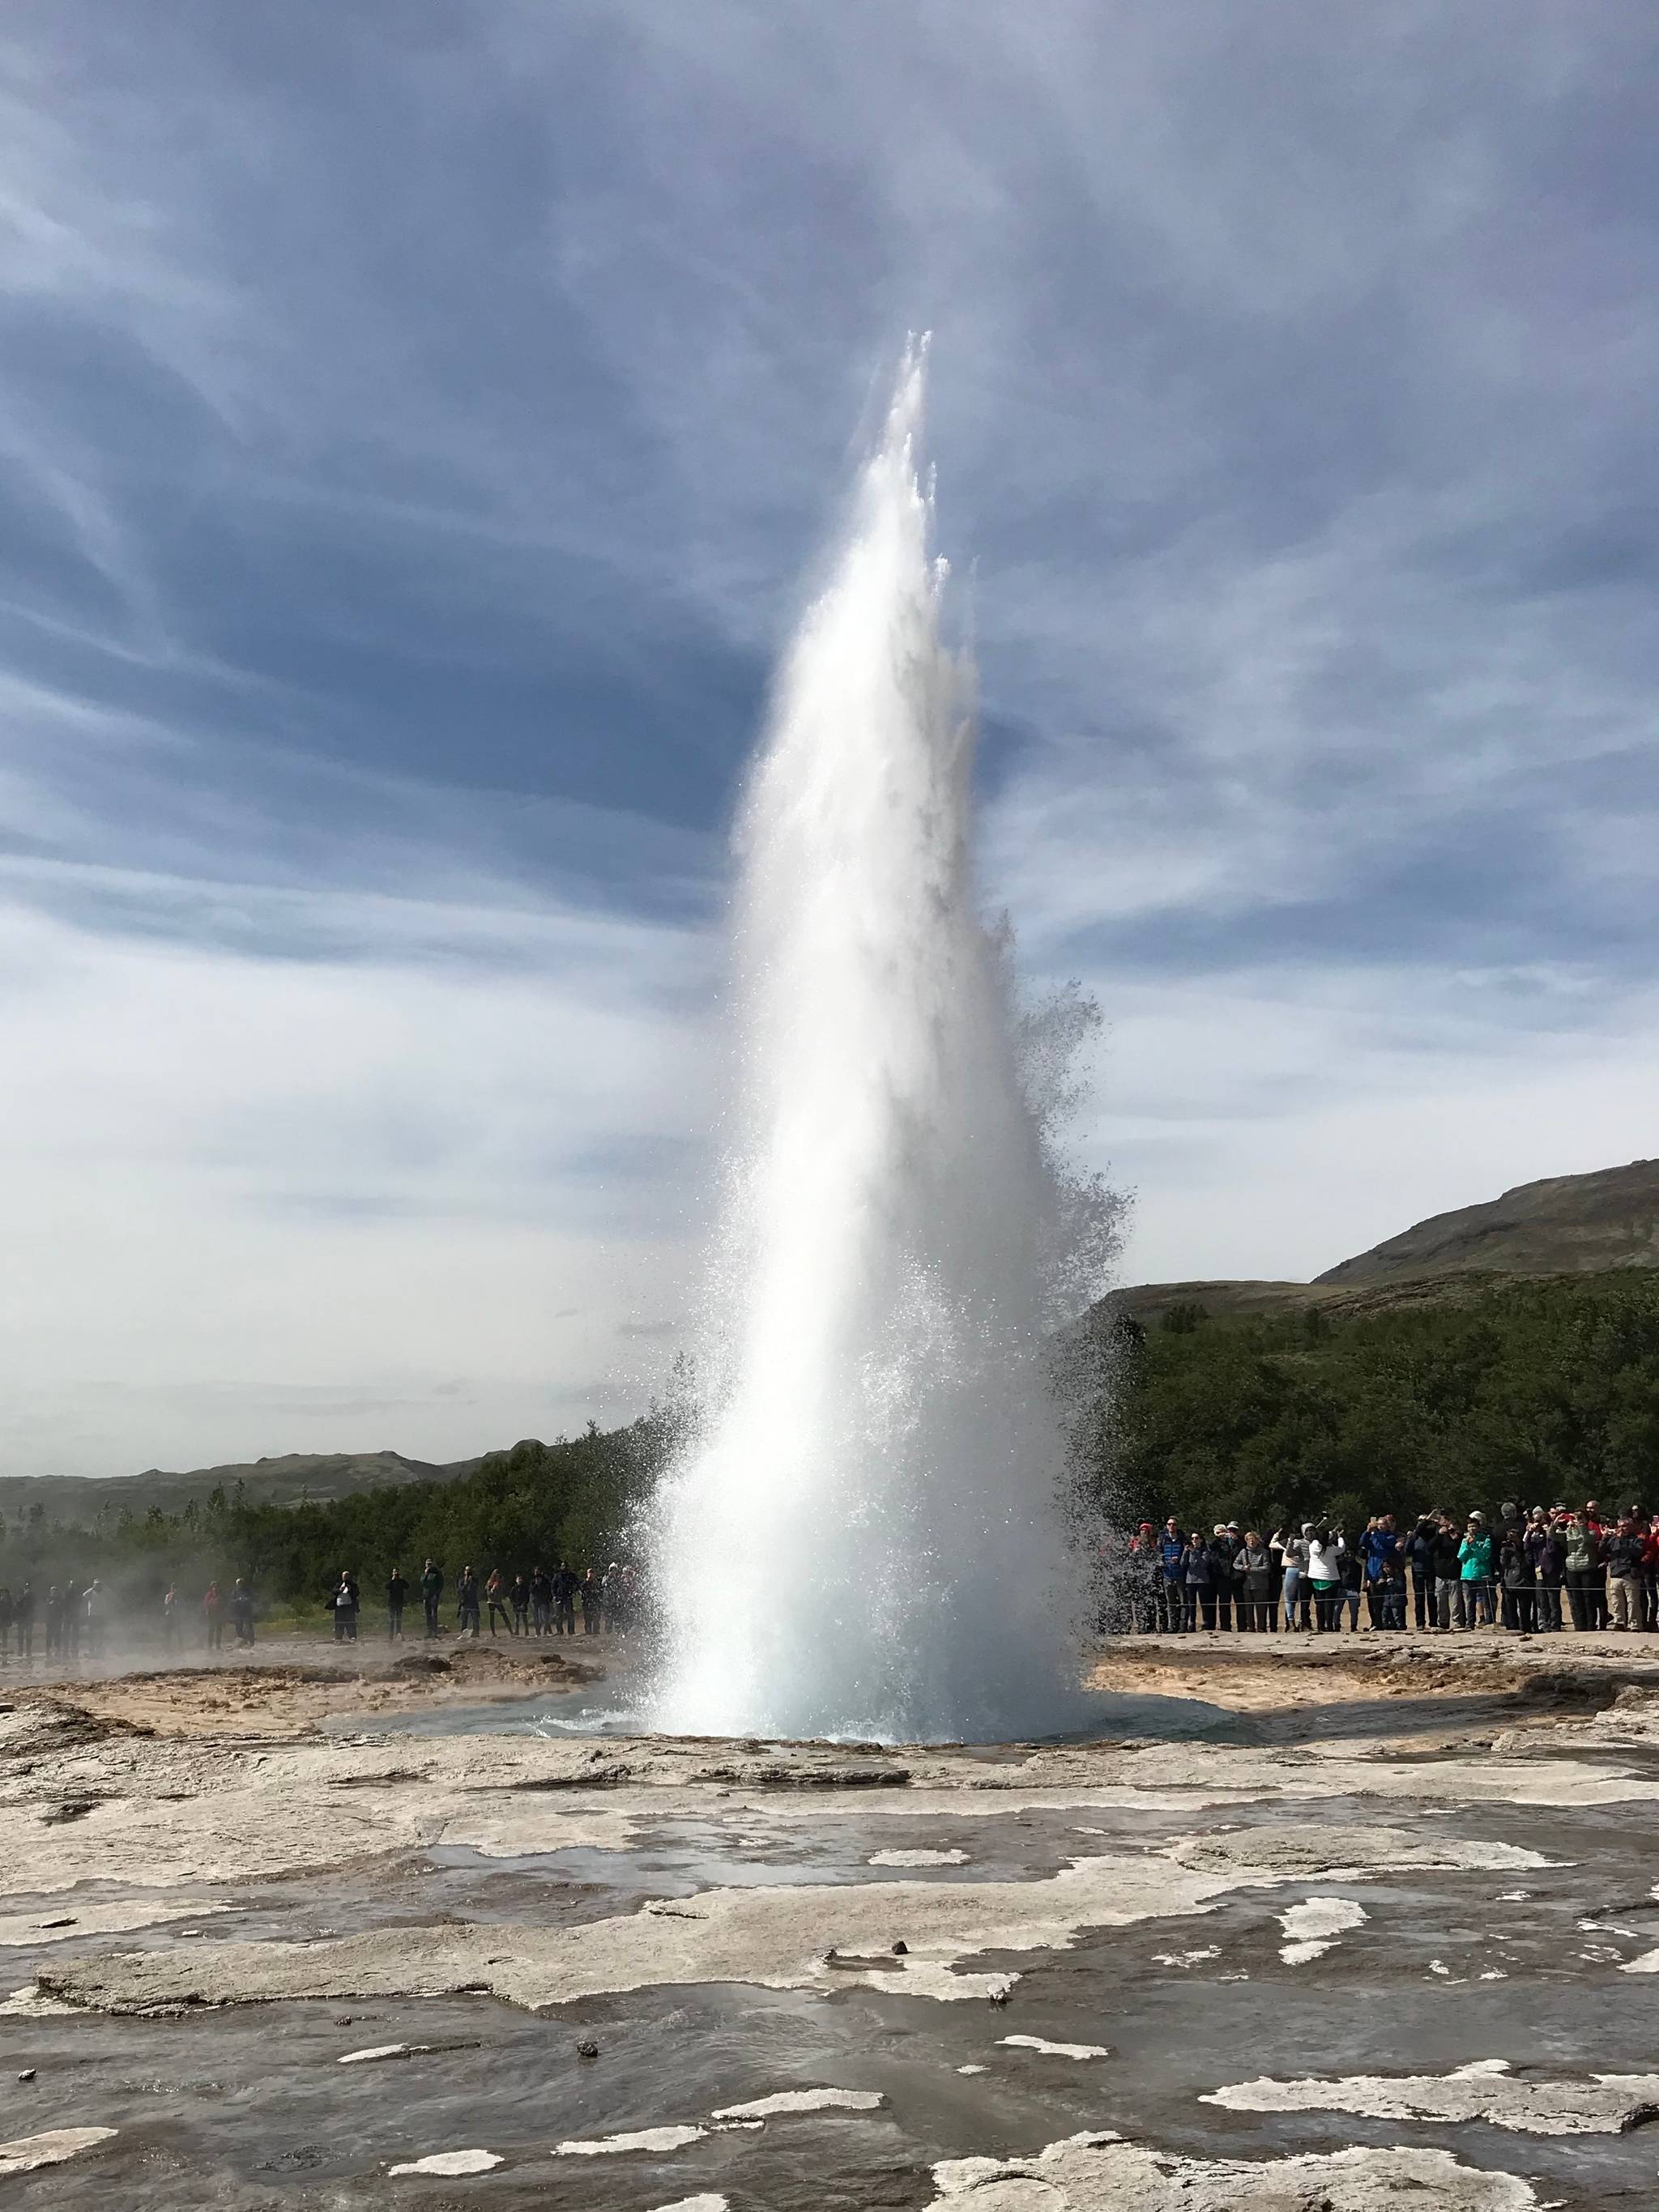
{"points": [[1223, 1550]]}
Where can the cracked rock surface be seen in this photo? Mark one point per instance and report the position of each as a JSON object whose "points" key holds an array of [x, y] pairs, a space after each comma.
{"points": [[1265, 1962]]}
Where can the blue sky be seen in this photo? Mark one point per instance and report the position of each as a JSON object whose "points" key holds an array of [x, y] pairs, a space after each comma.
{"points": [[416, 426]]}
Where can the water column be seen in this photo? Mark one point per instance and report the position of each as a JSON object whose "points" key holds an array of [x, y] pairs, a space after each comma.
{"points": [[867, 1532]]}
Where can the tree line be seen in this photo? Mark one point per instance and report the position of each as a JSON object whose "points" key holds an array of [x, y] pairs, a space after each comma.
{"points": [[1542, 1390], [573, 1500]]}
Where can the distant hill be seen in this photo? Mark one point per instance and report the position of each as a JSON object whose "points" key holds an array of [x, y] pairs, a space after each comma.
{"points": [[1563, 1225], [321, 1477]]}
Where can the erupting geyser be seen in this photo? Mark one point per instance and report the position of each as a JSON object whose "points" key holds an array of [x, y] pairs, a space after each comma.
{"points": [[868, 1531]]}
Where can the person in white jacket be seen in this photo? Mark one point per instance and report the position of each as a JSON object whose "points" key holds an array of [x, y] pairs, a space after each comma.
{"points": [[1325, 1572]]}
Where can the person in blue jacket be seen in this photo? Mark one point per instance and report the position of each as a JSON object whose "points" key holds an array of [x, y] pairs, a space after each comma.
{"points": [[1377, 1545], [1170, 1545]]}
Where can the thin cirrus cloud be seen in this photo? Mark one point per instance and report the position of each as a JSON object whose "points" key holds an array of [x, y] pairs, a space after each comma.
{"points": [[416, 434]]}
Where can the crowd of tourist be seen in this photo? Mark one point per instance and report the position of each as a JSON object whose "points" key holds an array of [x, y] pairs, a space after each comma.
{"points": [[65, 1618], [68, 1620], [1526, 1572], [534, 1603]]}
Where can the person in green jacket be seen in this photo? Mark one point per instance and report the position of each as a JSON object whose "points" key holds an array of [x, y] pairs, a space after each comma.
{"points": [[1474, 1571]]}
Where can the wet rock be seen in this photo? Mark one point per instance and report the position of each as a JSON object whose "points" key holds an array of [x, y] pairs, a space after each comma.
{"points": [[1488, 2089], [26, 2152], [802, 2100], [27, 2073], [653, 2139], [1103, 2174], [587, 2049], [450, 2162]]}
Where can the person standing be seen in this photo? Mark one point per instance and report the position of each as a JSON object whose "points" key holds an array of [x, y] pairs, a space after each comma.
{"points": [[495, 1600], [1448, 1576], [213, 1616], [1379, 1543], [1171, 1547], [1581, 1563], [1276, 1543], [1296, 1586], [1420, 1557], [520, 1597], [1598, 1527], [170, 1619], [566, 1583], [1253, 1568], [91, 1613], [242, 1612], [23, 1614], [1519, 1579], [7, 1611], [432, 1589], [1223, 1549], [396, 1597], [467, 1604], [1325, 1574], [1392, 1584], [1624, 1576], [593, 1603], [345, 1609], [1649, 1532], [541, 1602], [1548, 1555], [68, 1628], [1474, 1563], [1197, 1585]]}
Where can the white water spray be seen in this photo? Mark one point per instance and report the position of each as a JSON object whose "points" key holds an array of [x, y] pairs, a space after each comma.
{"points": [[867, 1531]]}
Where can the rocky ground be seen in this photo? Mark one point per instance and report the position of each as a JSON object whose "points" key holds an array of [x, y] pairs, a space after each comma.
{"points": [[1380, 1927]]}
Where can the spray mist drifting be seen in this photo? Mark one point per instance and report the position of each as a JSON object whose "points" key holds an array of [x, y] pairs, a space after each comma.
{"points": [[866, 1531]]}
